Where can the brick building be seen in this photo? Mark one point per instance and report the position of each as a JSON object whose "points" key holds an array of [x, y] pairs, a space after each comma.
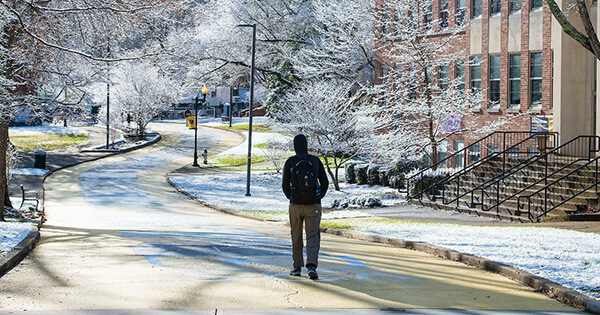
{"points": [[529, 66]]}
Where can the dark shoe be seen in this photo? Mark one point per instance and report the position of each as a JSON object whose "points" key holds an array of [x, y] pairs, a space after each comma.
{"points": [[312, 273], [296, 272]]}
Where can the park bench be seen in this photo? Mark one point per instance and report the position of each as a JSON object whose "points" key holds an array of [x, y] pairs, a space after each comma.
{"points": [[29, 195]]}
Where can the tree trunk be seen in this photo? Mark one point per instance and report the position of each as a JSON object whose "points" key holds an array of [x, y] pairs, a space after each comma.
{"points": [[333, 178], [7, 202], [3, 148], [590, 43]]}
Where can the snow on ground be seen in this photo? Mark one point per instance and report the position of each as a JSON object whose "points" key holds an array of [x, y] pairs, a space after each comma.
{"points": [[11, 234], [29, 171], [257, 139], [570, 258], [227, 191], [39, 130], [236, 121]]}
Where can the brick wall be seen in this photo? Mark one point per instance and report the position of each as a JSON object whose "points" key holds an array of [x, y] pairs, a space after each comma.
{"points": [[520, 120]]}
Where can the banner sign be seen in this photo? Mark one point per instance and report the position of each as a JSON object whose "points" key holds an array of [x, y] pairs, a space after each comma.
{"points": [[451, 123], [542, 123]]}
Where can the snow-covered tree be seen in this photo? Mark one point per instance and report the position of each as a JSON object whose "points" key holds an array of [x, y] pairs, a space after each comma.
{"points": [[341, 45], [328, 114], [296, 41], [141, 92], [418, 92], [36, 36]]}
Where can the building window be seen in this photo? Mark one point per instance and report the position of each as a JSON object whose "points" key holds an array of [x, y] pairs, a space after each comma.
{"points": [[459, 159], [495, 79], [443, 153], [476, 73], [443, 13], [398, 16], [535, 79], [536, 4], [460, 12], [460, 75], [475, 8], [443, 77], [474, 153], [514, 78], [385, 69], [385, 18], [411, 86], [495, 7], [427, 16], [493, 149], [515, 6]]}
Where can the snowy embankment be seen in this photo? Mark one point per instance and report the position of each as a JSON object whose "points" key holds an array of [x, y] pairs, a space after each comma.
{"points": [[567, 257], [11, 234]]}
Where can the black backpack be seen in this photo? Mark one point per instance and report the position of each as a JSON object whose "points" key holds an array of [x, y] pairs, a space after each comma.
{"points": [[303, 181]]}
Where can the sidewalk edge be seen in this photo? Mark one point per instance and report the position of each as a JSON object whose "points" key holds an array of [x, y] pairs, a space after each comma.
{"points": [[549, 288], [20, 251]]}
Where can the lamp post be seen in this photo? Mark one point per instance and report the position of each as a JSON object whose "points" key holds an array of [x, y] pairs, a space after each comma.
{"points": [[203, 91], [253, 26], [107, 105]]}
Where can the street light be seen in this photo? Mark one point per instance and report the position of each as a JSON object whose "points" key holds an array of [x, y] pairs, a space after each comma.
{"points": [[253, 26], [203, 91]]}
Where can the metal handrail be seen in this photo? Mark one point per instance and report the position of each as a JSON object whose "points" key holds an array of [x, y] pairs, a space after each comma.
{"points": [[465, 165], [505, 153], [545, 189], [542, 158]]}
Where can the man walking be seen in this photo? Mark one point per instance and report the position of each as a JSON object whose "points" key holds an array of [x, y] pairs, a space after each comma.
{"points": [[304, 184]]}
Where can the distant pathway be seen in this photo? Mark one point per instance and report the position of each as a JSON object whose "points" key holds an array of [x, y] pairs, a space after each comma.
{"points": [[119, 237]]}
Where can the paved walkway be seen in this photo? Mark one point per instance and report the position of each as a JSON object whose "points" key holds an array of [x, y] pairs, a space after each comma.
{"points": [[55, 160]]}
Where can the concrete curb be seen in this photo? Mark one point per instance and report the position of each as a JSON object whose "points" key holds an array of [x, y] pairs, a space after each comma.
{"points": [[549, 288], [21, 250], [146, 144]]}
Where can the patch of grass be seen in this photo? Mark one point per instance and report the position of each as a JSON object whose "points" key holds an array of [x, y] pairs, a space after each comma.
{"points": [[245, 127], [47, 141], [271, 215], [236, 160], [337, 225]]}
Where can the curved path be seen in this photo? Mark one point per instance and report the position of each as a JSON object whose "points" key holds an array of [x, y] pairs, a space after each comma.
{"points": [[119, 237]]}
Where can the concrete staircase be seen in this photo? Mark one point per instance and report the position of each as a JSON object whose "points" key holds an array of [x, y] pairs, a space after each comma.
{"points": [[516, 187]]}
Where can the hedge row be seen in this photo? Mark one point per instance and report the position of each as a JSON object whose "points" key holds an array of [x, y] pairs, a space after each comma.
{"points": [[386, 175]]}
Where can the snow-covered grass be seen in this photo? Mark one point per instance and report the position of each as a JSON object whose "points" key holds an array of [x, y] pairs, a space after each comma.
{"points": [[44, 130], [11, 234], [227, 191], [567, 257]]}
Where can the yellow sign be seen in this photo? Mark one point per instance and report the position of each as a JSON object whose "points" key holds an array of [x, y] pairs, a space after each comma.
{"points": [[191, 122]]}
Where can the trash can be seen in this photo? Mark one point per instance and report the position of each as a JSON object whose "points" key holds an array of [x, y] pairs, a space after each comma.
{"points": [[225, 115], [40, 159]]}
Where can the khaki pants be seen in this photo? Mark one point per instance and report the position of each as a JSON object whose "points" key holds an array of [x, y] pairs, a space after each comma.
{"points": [[310, 215]]}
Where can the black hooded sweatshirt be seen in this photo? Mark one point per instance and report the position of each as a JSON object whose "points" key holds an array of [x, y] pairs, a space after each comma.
{"points": [[301, 148]]}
